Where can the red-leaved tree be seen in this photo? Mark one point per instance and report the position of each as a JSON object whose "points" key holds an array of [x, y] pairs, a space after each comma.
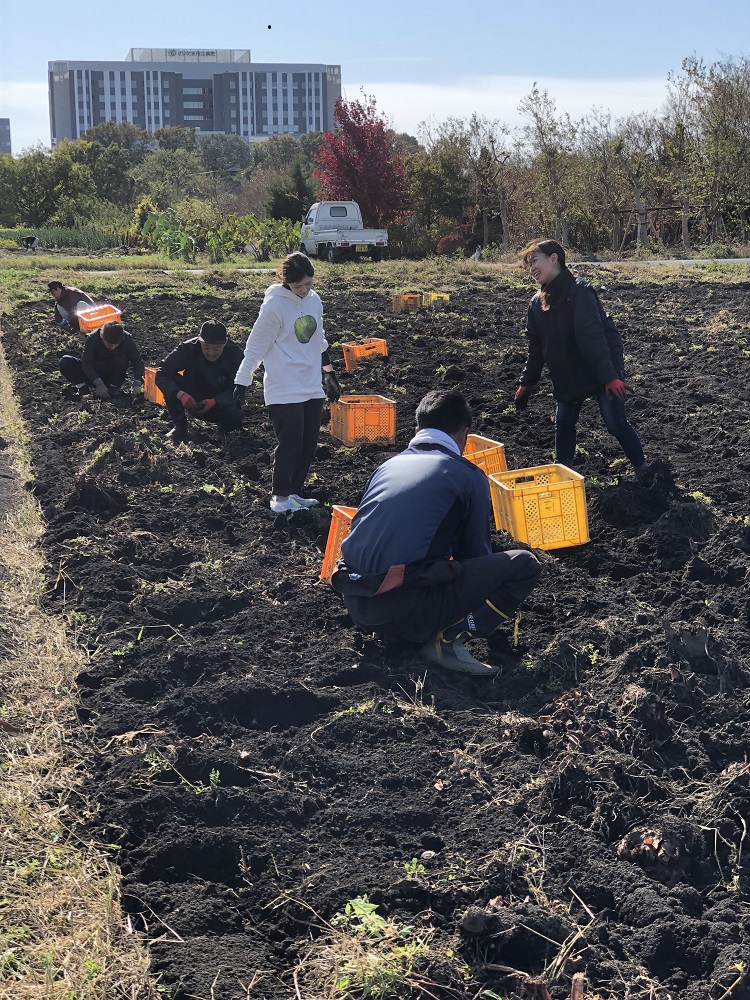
{"points": [[358, 162]]}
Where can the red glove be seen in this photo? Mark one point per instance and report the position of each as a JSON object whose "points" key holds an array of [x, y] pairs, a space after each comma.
{"points": [[187, 400], [617, 388], [521, 398], [204, 407]]}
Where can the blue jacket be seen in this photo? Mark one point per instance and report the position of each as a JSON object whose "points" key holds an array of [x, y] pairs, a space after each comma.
{"points": [[422, 505]]}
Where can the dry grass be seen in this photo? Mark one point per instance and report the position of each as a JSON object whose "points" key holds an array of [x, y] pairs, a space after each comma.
{"points": [[62, 933]]}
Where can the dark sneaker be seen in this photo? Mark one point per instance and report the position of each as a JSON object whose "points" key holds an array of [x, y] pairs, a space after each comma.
{"points": [[645, 473], [83, 390], [179, 434], [455, 656]]}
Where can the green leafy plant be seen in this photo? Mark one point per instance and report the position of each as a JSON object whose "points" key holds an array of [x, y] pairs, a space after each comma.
{"points": [[414, 868], [377, 956]]}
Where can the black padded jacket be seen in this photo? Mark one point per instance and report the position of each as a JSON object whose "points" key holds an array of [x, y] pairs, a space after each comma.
{"points": [[581, 348]]}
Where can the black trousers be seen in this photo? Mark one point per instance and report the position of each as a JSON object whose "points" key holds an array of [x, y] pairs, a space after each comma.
{"points": [[225, 413], [111, 371], [296, 426], [419, 613]]}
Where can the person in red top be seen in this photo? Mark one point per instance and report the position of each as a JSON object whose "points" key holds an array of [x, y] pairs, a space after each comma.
{"points": [[67, 301]]}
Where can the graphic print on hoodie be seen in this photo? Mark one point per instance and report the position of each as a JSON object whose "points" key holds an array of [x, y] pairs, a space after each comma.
{"points": [[304, 328]]}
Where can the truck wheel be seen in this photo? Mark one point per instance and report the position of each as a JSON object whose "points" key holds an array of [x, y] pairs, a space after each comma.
{"points": [[302, 248], [322, 251], [331, 255], [376, 254]]}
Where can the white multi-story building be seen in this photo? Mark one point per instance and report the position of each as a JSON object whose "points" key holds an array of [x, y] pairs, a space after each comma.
{"points": [[211, 90], [5, 136]]}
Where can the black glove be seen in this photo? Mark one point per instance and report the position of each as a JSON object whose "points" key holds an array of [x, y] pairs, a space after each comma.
{"points": [[100, 389], [331, 386], [521, 398], [238, 396]]}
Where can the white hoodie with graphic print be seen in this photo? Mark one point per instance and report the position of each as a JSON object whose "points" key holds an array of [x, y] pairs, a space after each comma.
{"points": [[288, 338]]}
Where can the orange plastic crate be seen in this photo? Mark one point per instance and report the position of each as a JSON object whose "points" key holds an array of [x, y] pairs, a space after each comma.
{"points": [[341, 522], [151, 390], [355, 419], [406, 303], [357, 351], [544, 506], [94, 317], [489, 455]]}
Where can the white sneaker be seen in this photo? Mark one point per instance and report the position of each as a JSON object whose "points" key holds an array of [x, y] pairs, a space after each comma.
{"points": [[455, 656], [303, 501], [286, 506]]}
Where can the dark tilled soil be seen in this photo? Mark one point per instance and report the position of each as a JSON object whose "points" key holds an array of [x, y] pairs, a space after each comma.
{"points": [[259, 763]]}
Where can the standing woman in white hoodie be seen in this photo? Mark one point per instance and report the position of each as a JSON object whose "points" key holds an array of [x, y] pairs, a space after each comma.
{"points": [[288, 338]]}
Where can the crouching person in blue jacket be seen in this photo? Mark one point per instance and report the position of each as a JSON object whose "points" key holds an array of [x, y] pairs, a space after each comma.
{"points": [[418, 564]]}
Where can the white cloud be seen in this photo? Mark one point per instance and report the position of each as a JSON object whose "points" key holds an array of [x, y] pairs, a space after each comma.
{"points": [[27, 106], [497, 97]]}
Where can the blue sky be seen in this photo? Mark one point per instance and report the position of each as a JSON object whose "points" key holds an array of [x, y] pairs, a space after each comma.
{"points": [[422, 60]]}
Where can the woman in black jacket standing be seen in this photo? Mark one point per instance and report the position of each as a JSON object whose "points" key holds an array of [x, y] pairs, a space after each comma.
{"points": [[565, 329]]}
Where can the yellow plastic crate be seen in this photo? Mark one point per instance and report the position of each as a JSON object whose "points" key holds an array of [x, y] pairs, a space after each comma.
{"points": [[94, 317], [355, 419], [357, 351], [433, 298], [544, 506], [489, 455], [151, 390], [407, 302], [341, 523]]}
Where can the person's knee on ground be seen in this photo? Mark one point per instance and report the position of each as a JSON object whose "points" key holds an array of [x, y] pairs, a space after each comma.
{"points": [[72, 371]]}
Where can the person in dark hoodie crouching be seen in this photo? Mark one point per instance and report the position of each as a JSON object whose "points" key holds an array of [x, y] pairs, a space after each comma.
{"points": [[418, 563], [107, 355], [197, 380]]}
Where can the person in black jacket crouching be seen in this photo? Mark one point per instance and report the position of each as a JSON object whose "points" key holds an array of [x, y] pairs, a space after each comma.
{"points": [[418, 563], [197, 379], [107, 355], [566, 329]]}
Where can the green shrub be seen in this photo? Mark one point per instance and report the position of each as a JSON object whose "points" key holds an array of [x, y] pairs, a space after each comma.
{"points": [[64, 237]]}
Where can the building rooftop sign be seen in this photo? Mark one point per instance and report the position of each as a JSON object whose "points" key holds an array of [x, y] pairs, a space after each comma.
{"points": [[189, 55]]}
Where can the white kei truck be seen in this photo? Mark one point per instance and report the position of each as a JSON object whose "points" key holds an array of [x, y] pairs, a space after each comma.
{"points": [[333, 231]]}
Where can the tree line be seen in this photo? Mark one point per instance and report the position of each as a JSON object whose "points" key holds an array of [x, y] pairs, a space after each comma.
{"points": [[677, 177]]}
